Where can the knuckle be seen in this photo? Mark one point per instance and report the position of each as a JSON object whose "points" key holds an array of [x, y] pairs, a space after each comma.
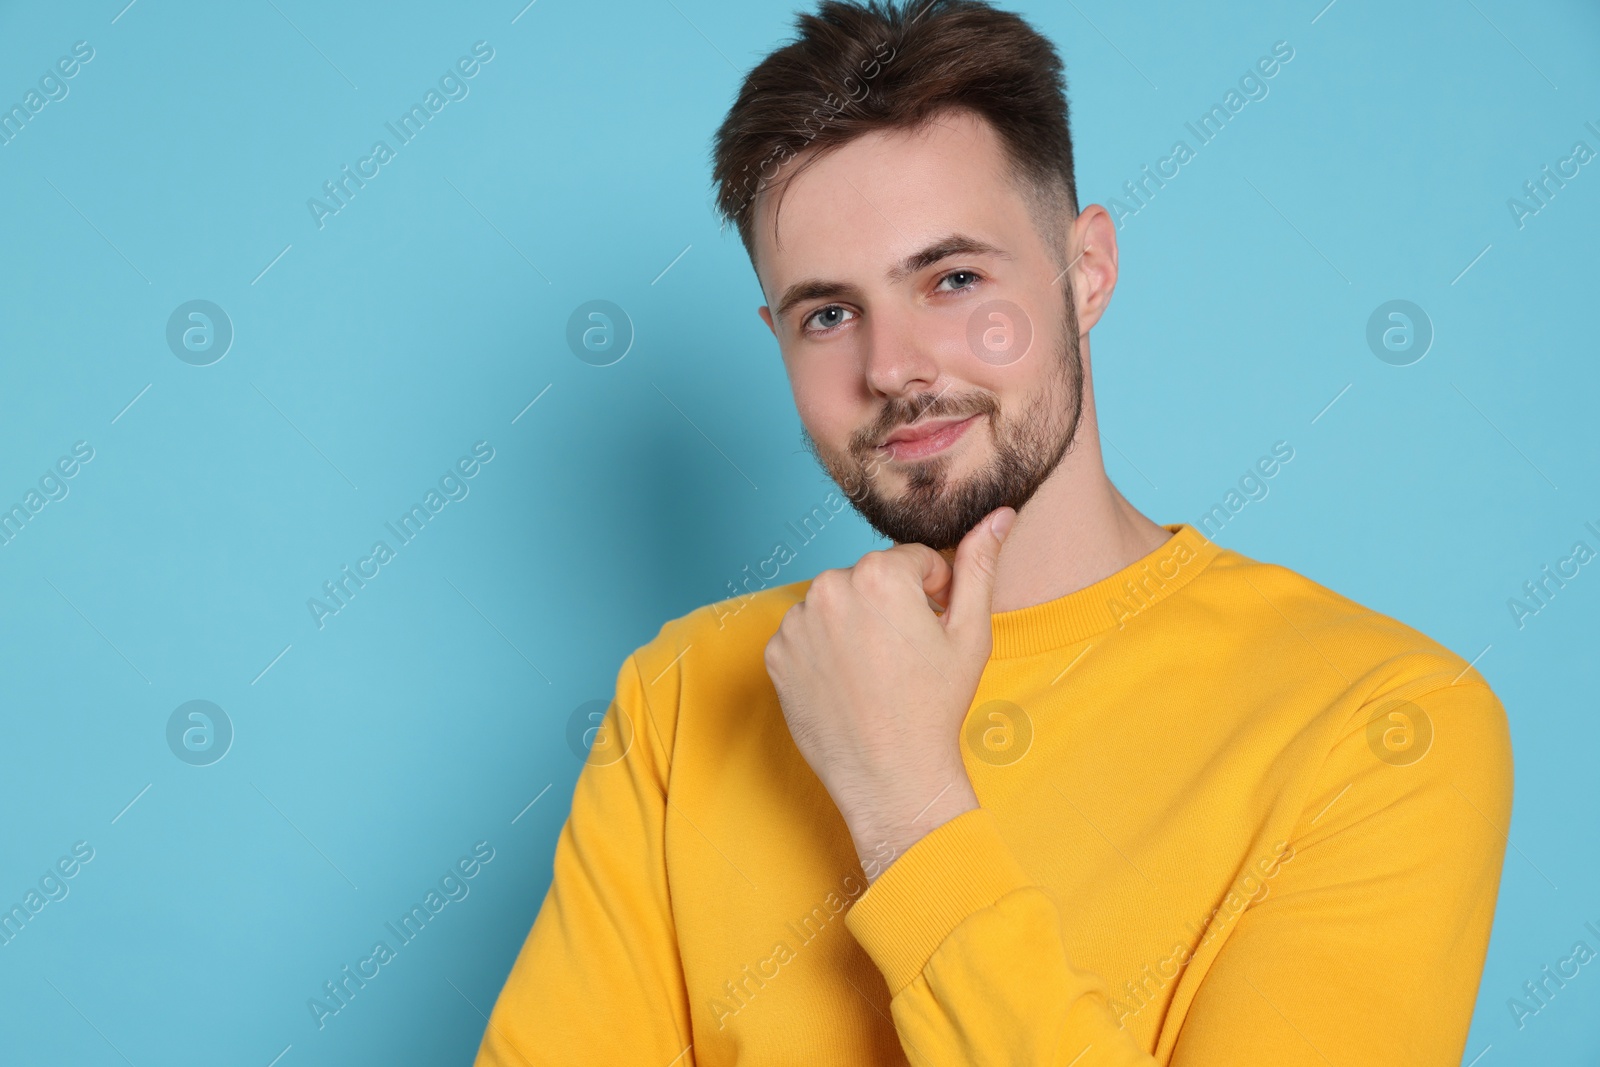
{"points": [[826, 586], [777, 650], [874, 570]]}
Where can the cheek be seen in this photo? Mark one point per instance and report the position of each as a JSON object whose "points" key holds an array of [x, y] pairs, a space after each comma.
{"points": [[1030, 398], [947, 335], [829, 405]]}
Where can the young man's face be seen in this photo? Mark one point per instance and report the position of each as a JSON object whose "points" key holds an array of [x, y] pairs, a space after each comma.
{"points": [[880, 274]]}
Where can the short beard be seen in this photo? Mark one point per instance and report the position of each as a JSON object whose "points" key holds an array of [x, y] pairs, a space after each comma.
{"points": [[1026, 452]]}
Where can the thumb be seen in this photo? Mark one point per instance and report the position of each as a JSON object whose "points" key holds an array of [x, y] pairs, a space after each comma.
{"points": [[972, 583]]}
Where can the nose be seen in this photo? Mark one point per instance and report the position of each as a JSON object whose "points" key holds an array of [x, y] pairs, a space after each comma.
{"points": [[898, 360]]}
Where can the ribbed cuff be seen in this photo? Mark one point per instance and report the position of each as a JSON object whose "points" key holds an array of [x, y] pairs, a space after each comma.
{"points": [[958, 868]]}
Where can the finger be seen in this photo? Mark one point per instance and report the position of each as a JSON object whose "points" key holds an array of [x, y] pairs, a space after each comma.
{"points": [[977, 561], [933, 571], [926, 567]]}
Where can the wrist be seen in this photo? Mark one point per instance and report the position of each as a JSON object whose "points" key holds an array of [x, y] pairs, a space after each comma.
{"points": [[882, 837]]}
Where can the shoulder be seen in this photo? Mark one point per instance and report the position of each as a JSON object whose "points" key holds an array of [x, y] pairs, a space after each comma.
{"points": [[1286, 612], [722, 632], [1398, 700], [709, 658]]}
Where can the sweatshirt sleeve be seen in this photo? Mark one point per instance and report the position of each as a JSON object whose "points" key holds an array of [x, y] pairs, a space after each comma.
{"points": [[974, 956], [599, 979], [1368, 947]]}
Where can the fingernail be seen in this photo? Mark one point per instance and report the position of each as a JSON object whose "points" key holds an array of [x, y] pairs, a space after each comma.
{"points": [[1001, 524]]}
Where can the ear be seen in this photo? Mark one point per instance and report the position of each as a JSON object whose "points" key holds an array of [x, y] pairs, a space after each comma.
{"points": [[1094, 272], [766, 317]]}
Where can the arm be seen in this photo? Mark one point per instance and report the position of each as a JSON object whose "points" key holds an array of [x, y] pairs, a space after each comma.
{"points": [[977, 967], [1368, 948], [598, 979]]}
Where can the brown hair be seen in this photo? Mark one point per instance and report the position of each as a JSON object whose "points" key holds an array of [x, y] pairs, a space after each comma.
{"points": [[858, 67]]}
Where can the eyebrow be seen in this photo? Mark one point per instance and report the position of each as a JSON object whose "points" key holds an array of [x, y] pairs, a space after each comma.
{"points": [[955, 244]]}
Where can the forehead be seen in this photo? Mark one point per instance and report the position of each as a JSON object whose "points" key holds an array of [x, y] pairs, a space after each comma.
{"points": [[880, 196]]}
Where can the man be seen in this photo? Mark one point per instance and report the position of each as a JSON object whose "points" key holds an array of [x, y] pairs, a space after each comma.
{"points": [[1112, 794]]}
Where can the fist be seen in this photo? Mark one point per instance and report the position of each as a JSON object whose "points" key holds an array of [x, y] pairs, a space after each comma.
{"points": [[874, 683]]}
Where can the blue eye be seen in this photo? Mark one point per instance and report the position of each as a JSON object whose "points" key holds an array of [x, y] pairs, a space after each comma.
{"points": [[829, 317], [960, 273]]}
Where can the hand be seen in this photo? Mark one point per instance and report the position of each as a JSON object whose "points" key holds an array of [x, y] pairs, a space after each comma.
{"points": [[874, 685]]}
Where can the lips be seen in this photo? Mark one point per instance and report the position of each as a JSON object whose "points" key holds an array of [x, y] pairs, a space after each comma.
{"points": [[921, 430], [919, 441]]}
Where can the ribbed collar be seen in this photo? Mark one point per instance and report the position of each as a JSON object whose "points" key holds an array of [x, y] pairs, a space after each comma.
{"points": [[1108, 603]]}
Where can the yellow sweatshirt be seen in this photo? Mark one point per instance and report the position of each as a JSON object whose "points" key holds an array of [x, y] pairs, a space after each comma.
{"points": [[1227, 816]]}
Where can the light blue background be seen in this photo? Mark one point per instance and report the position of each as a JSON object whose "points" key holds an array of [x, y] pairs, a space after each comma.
{"points": [[427, 315]]}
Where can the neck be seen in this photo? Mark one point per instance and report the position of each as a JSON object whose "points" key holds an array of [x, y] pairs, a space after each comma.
{"points": [[1075, 530]]}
